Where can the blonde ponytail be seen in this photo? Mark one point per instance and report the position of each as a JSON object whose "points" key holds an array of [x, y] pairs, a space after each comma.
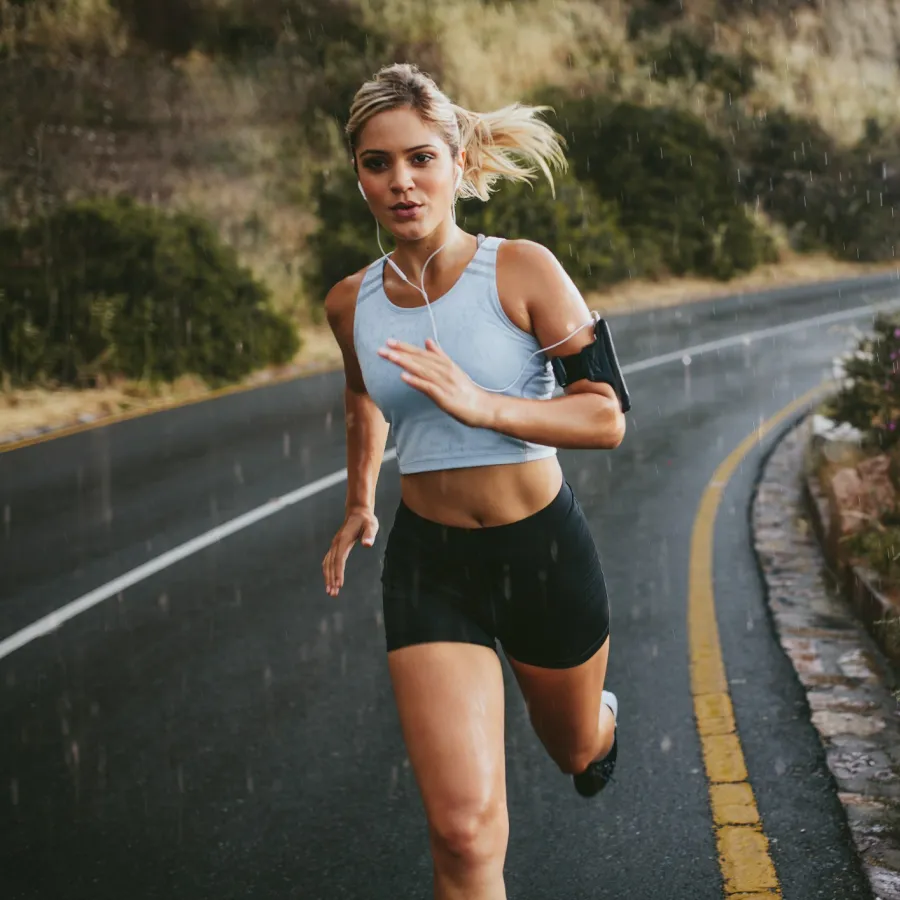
{"points": [[512, 142]]}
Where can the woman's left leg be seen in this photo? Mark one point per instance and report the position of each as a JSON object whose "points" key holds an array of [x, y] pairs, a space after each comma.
{"points": [[553, 619], [567, 710]]}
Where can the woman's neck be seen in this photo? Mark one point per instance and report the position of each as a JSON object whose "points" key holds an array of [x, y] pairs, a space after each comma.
{"points": [[411, 256]]}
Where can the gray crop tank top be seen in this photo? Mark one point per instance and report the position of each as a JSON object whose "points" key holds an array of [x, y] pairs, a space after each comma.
{"points": [[479, 337]]}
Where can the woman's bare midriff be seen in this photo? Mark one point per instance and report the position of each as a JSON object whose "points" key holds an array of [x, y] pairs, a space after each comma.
{"points": [[483, 496]]}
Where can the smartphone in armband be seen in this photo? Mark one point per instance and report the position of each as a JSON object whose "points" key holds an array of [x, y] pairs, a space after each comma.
{"points": [[597, 362]]}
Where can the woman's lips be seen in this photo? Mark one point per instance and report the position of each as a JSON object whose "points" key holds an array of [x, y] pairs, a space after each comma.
{"points": [[406, 212]]}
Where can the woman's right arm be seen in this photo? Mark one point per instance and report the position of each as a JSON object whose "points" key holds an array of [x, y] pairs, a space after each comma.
{"points": [[367, 433]]}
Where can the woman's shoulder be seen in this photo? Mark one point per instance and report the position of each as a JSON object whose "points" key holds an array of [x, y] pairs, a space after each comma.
{"points": [[341, 298], [528, 263]]}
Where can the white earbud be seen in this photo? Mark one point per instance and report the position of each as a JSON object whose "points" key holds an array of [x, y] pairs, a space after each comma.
{"points": [[359, 185]]}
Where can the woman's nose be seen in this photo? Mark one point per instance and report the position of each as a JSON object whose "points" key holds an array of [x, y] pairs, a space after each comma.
{"points": [[402, 180]]}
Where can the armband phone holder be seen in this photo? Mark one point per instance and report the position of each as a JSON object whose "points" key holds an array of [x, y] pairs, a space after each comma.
{"points": [[597, 362]]}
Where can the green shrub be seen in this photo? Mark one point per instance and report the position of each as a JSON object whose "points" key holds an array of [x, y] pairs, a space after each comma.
{"points": [[582, 230], [650, 15], [686, 56], [877, 545], [829, 197], [345, 239], [111, 287], [870, 398], [675, 183]]}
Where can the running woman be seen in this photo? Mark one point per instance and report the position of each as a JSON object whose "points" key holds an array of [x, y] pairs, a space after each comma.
{"points": [[448, 342]]}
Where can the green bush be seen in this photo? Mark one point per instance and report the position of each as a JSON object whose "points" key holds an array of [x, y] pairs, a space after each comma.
{"points": [[650, 15], [582, 230], [675, 183], [877, 546], [111, 287], [688, 57], [870, 398], [830, 198], [345, 239], [578, 227]]}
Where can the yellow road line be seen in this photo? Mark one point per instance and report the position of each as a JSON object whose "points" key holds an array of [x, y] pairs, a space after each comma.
{"points": [[747, 869]]}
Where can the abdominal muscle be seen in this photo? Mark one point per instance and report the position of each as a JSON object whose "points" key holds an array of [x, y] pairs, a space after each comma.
{"points": [[483, 496]]}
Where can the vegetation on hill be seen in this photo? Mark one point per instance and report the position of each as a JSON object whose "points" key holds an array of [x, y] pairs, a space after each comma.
{"points": [[705, 136]]}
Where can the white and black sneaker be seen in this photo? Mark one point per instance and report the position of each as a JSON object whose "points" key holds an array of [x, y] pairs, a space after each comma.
{"points": [[598, 774]]}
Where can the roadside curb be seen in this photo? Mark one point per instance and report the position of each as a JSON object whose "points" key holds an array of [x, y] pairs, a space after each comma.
{"points": [[847, 680]]}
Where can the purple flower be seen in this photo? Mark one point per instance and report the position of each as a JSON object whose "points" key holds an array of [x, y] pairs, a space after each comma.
{"points": [[892, 426], [897, 332]]}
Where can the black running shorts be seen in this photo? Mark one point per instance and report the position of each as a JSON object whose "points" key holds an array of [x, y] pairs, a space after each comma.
{"points": [[535, 585]]}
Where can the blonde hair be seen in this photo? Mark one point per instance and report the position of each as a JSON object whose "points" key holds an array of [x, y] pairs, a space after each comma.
{"points": [[512, 142]]}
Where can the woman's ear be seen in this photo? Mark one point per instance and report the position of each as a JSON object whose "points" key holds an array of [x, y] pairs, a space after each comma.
{"points": [[460, 169]]}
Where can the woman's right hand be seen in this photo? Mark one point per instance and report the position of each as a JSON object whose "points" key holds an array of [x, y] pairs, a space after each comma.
{"points": [[360, 524]]}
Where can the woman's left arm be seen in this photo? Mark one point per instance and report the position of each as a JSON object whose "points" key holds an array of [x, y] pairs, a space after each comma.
{"points": [[588, 416]]}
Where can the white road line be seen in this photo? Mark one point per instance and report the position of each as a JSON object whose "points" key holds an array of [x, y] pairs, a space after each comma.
{"points": [[52, 621], [55, 619], [749, 336]]}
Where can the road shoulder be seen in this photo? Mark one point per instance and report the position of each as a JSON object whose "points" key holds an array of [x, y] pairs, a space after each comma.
{"points": [[848, 683]]}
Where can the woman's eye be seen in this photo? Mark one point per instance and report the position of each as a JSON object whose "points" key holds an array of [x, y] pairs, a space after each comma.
{"points": [[423, 158], [374, 163]]}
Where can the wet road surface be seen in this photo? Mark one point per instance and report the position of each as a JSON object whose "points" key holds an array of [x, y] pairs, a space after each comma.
{"points": [[225, 729]]}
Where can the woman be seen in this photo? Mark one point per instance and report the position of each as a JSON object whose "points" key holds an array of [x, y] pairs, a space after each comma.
{"points": [[488, 542]]}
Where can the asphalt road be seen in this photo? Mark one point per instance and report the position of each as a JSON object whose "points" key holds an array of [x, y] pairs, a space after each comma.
{"points": [[224, 729]]}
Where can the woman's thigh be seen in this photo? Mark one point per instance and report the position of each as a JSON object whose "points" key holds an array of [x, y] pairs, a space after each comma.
{"points": [[553, 609], [451, 705]]}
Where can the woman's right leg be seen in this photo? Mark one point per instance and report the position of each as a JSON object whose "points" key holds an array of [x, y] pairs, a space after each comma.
{"points": [[450, 700]]}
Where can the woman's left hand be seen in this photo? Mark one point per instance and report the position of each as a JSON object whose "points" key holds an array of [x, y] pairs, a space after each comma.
{"points": [[432, 372]]}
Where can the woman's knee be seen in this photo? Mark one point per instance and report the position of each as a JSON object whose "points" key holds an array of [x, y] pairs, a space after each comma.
{"points": [[471, 835], [574, 758], [575, 751]]}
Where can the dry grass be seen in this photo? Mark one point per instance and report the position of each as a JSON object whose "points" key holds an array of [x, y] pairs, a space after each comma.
{"points": [[837, 66], [632, 296], [23, 411], [64, 26], [496, 54]]}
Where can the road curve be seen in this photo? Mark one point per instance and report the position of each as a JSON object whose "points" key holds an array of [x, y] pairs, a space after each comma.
{"points": [[223, 728]]}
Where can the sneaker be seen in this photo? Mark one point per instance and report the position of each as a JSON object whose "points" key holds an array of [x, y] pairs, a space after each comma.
{"points": [[598, 774]]}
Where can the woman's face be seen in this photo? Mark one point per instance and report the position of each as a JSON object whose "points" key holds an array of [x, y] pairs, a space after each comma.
{"points": [[407, 172]]}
